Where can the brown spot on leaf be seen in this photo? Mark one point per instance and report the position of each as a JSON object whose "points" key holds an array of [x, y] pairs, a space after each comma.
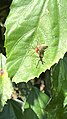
{"points": [[1, 72]]}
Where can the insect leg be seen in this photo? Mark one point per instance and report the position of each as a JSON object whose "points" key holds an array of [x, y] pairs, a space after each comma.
{"points": [[37, 63]]}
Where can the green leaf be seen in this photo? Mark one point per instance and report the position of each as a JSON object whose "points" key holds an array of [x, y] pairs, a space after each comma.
{"points": [[29, 22], [15, 109], [12, 110], [5, 83], [29, 113], [57, 107], [59, 76], [65, 112], [37, 101], [65, 101]]}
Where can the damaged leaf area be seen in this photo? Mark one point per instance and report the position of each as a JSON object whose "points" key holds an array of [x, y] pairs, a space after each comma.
{"points": [[5, 83]]}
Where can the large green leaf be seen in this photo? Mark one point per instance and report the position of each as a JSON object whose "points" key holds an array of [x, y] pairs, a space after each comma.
{"points": [[37, 101], [5, 83], [29, 22]]}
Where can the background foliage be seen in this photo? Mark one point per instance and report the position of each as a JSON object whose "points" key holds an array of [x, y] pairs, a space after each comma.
{"points": [[30, 23]]}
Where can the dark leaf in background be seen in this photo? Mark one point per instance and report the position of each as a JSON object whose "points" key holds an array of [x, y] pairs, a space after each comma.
{"points": [[57, 107], [4, 11], [37, 101], [12, 110], [29, 114], [2, 38]]}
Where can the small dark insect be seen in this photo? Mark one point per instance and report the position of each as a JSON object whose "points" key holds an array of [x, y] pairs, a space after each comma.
{"points": [[1, 72], [40, 49]]}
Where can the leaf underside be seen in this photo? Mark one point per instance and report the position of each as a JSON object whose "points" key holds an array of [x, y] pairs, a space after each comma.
{"points": [[28, 24]]}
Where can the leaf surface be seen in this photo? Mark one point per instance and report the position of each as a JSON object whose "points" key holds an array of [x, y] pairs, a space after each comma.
{"points": [[31, 22], [29, 113], [37, 101], [57, 108], [12, 110], [5, 83]]}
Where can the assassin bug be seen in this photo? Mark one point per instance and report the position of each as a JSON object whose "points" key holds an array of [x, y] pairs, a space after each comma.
{"points": [[40, 49]]}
